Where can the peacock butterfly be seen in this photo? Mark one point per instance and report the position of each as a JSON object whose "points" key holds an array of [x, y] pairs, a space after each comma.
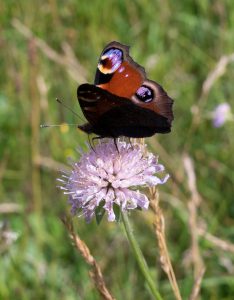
{"points": [[122, 101]]}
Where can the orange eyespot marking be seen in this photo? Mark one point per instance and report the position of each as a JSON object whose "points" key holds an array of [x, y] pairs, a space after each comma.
{"points": [[110, 61]]}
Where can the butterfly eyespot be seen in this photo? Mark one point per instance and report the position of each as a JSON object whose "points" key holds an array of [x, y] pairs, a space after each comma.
{"points": [[145, 94], [104, 62], [110, 61]]}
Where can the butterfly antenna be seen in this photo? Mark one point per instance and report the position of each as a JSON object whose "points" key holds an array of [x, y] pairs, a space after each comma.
{"points": [[56, 125], [69, 108]]}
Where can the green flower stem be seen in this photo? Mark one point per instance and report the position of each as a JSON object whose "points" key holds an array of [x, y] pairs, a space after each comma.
{"points": [[139, 257]]}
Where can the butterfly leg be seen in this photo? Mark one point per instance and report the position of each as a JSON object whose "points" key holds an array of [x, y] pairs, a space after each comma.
{"points": [[130, 142], [116, 146], [91, 143], [99, 138], [96, 138]]}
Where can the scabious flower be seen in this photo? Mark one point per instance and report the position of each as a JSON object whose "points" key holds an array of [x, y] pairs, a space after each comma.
{"points": [[221, 114], [108, 175]]}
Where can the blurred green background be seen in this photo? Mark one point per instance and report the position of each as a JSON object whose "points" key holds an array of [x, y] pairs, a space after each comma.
{"points": [[48, 48]]}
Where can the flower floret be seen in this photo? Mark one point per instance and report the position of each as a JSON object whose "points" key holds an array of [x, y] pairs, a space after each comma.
{"points": [[112, 175]]}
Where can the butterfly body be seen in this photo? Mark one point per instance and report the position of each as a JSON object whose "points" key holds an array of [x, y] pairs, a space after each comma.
{"points": [[122, 101]]}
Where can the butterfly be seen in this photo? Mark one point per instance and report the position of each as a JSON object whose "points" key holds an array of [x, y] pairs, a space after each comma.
{"points": [[123, 101]]}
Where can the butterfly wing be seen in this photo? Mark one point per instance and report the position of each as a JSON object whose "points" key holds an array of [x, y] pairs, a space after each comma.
{"points": [[117, 72], [152, 96], [113, 116]]}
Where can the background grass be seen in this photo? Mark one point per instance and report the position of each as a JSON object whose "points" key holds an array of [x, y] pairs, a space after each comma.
{"points": [[179, 43]]}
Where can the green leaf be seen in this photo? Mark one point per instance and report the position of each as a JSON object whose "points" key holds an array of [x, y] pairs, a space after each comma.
{"points": [[116, 209], [100, 212]]}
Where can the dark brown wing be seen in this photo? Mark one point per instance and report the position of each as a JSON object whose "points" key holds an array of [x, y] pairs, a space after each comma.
{"points": [[95, 102], [113, 116], [152, 96]]}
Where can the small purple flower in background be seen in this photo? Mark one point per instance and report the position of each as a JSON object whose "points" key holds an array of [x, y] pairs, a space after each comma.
{"points": [[221, 114], [108, 177]]}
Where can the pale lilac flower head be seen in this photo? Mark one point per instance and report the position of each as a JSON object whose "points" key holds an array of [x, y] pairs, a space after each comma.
{"points": [[108, 177], [221, 114]]}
